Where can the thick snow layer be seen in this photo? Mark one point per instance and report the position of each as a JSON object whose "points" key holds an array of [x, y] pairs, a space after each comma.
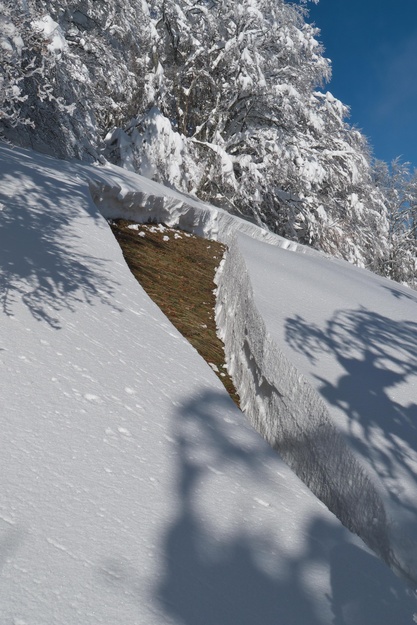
{"points": [[121, 193], [354, 336], [285, 408], [133, 491]]}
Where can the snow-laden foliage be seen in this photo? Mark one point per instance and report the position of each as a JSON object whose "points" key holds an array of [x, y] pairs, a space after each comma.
{"points": [[216, 98], [236, 85], [399, 187], [75, 70]]}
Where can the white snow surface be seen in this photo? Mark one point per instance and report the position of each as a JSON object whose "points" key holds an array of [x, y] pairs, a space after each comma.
{"points": [[353, 335], [133, 490]]}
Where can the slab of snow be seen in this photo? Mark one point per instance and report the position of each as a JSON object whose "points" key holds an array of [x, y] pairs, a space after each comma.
{"points": [[133, 490], [123, 194], [354, 336]]}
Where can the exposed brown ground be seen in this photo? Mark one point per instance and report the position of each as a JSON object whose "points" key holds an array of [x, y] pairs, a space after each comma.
{"points": [[177, 269]]}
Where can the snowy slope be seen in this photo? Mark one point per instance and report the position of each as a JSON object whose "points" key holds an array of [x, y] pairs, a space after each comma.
{"points": [[354, 335], [133, 491]]}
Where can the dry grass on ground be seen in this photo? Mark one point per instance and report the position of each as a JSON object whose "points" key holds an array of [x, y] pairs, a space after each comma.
{"points": [[177, 269]]}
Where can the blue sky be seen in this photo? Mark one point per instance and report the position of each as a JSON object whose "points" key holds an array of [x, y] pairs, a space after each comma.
{"points": [[373, 48]]}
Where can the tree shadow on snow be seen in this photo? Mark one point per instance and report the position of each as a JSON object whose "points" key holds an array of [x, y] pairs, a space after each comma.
{"points": [[41, 263], [400, 292], [378, 354], [213, 577]]}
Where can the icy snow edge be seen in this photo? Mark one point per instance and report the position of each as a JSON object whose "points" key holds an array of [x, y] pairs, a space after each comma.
{"points": [[282, 405], [154, 202]]}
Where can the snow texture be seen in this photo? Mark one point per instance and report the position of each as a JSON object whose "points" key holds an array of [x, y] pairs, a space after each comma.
{"points": [[353, 335], [133, 490], [285, 408]]}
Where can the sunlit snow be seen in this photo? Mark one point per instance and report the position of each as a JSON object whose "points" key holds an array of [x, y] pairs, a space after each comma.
{"points": [[133, 490]]}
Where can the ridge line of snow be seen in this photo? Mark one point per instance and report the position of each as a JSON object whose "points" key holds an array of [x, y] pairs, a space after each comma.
{"points": [[155, 202]]}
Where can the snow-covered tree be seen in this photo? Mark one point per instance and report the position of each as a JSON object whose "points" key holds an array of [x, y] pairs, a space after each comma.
{"points": [[399, 187], [235, 90], [24, 65], [69, 71], [217, 98], [234, 80]]}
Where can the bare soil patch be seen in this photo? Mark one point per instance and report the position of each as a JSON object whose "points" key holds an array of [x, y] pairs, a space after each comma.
{"points": [[177, 270]]}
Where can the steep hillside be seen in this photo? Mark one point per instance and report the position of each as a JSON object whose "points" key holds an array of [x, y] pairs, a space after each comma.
{"points": [[132, 488]]}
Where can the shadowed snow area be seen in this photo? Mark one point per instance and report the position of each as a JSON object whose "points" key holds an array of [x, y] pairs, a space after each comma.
{"points": [[51, 270], [132, 489]]}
